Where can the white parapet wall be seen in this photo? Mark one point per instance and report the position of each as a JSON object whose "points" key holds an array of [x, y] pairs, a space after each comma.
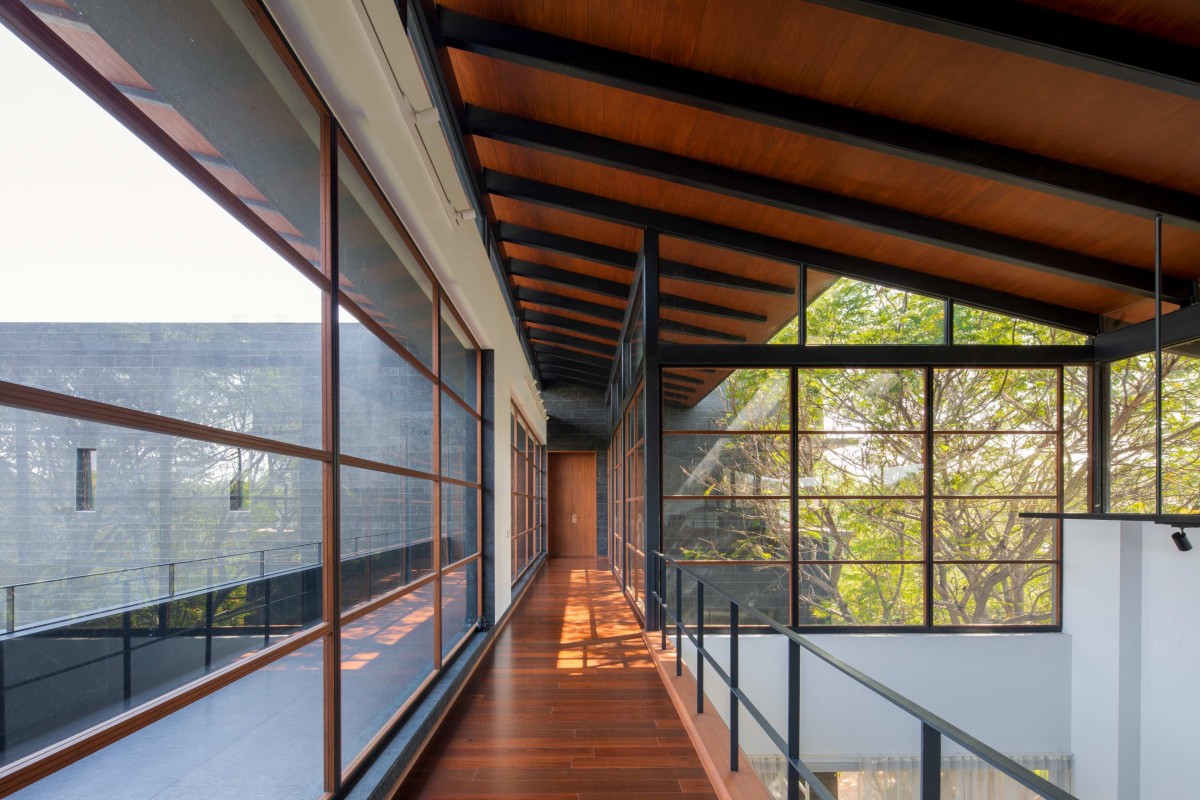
{"points": [[1010, 690]]}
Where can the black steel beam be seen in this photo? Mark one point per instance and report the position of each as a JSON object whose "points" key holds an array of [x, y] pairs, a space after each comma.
{"points": [[578, 326], [569, 304], [563, 277], [587, 283], [1065, 39], [583, 372], [567, 354], [671, 326], [623, 259], [799, 199], [574, 364], [599, 383], [814, 118], [567, 246], [537, 334], [1178, 327], [913, 355], [790, 252]]}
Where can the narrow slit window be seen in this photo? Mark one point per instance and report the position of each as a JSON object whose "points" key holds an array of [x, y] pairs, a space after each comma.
{"points": [[85, 479], [239, 494]]}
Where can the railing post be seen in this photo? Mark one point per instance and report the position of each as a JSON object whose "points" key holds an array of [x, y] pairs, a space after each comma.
{"points": [[733, 686], [10, 621], [662, 597], [931, 763], [127, 655], [208, 626], [267, 612], [678, 621], [262, 563], [699, 646], [793, 724], [171, 579]]}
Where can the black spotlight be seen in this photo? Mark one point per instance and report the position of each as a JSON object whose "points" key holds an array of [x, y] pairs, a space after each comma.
{"points": [[1181, 540]]}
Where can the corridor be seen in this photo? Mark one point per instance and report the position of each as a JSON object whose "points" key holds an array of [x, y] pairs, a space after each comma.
{"points": [[567, 705]]}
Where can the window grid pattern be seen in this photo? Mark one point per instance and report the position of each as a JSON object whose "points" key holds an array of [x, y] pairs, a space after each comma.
{"points": [[528, 496]]}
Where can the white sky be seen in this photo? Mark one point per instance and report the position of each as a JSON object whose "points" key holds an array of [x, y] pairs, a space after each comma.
{"points": [[95, 227]]}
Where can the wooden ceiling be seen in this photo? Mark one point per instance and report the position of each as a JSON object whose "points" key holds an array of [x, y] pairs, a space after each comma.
{"points": [[1002, 158]]}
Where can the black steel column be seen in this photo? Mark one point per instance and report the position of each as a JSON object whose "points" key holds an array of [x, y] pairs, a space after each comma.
{"points": [[931, 763], [1158, 366], [653, 463], [1098, 421], [794, 471], [927, 517]]}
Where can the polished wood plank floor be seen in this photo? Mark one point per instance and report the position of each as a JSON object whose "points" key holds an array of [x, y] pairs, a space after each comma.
{"points": [[567, 706]]}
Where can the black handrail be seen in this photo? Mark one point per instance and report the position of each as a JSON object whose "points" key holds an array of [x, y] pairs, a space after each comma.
{"points": [[933, 727]]}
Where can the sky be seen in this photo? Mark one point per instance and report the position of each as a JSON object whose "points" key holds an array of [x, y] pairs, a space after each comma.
{"points": [[96, 227]]}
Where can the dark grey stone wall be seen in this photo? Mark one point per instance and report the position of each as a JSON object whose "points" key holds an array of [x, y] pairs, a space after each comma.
{"points": [[579, 421]]}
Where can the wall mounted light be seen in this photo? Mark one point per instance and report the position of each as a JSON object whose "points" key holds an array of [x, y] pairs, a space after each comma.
{"points": [[1181, 540]]}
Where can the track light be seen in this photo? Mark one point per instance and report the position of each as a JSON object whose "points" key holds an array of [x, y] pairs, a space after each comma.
{"points": [[1181, 540]]}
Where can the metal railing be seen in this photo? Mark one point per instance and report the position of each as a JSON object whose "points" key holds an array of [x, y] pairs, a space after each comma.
{"points": [[933, 727], [48, 599]]}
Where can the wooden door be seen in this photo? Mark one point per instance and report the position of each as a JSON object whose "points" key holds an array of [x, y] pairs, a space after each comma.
{"points": [[571, 495]]}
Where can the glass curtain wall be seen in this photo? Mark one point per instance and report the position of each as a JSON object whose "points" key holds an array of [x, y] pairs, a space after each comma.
{"points": [[204, 405], [528, 496], [871, 497]]}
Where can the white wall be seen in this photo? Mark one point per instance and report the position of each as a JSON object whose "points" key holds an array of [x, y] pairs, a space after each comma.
{"points": [[1010, 690], [358, 54]]}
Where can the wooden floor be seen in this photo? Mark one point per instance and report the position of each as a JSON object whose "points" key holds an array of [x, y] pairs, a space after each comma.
{"points": [[567, 705]]}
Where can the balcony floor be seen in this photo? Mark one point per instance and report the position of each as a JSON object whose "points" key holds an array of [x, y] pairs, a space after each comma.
{"points": [[567, 705]]}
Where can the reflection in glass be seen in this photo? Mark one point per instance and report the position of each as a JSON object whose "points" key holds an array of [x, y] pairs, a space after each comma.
{"points": [[746, 400], [459, 358], [460, 522], [387, 532], [976, 326], [460, 606], [861, 464], [386, 655], [731, 464], [379, 271], [460, 445], [259, 736], [995, 464], [386, 403], [755, 529], [852, 399]]}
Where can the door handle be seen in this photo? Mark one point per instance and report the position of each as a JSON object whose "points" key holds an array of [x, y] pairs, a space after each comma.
{"points": [[574, 518]]}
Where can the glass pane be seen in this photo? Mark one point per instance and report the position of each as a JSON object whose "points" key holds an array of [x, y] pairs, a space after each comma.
{"points": [[870, 530], [387, 532], [761, 587], [460, 522], [854, 312], [1131, 436], [460, 608], [386, 403], [993, 530], [1181, 429], [1076, 463], [378, 269], [258, 737], [976, 326], [460, 359], [385, 657], [160, 549], [750, 530], [995, 399], [460, 446], [714, 464], [995, 464], [742, 400], [861, 464], [861, 594], [995, 594], [159, 300], [861, 399]]}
